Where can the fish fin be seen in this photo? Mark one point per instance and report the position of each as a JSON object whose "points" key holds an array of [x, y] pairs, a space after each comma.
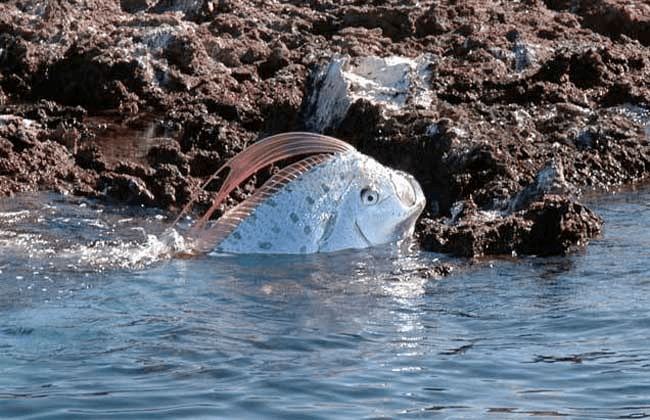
{"points": [[207, 238], [261, 154]]}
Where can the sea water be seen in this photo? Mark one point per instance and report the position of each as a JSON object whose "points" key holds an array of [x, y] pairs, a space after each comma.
{"points": [[100, 320]]}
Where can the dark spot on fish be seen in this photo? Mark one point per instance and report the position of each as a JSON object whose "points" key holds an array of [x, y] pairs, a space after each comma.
{"points": [[275, 229], [272, 203], [252, 218], [307, 230], [303, 249], [236, 235], [265, 245], [294, 217], [309, 200], [325, 188]]}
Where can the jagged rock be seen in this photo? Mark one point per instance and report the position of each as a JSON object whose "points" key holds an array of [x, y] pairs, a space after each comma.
{"points": [[389, 83], [503, 111], [555, 225], [125, 188]]}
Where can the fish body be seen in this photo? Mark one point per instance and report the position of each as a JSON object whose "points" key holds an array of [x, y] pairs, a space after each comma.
{"points": [[324, 202]]}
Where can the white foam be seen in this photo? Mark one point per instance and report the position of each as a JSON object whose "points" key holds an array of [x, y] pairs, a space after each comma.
{"points": [[111, 254], [68, 233]]}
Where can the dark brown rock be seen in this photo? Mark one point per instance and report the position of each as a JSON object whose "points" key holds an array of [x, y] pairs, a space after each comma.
{"points": [[552, 226], [179, 87], [125, 188]]}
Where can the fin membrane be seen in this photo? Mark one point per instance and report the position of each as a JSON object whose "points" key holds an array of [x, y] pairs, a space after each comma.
{"points": [[261, 154], [209, 237]]}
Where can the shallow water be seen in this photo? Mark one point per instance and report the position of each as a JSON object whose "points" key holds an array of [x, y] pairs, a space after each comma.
{"points": [[98, 320]]}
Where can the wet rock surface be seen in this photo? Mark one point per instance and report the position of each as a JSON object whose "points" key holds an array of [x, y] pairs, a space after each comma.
{"points": [[504, 111]]}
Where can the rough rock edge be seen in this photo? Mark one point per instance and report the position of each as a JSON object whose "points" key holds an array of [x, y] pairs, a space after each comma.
{"points": [[516, 86]]}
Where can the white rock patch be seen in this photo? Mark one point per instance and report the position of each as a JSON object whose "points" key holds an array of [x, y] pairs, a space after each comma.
{"points": [[392, 83]]}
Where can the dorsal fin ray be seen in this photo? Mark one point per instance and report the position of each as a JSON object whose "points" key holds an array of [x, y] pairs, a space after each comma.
{"points": [[208, 238], [259, 155]]}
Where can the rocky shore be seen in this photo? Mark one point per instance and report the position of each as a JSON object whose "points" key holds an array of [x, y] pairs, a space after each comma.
{"points": [[505, 111]]}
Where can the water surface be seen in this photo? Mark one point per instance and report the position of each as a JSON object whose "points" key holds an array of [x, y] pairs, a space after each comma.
{"points": [[98, 320]]}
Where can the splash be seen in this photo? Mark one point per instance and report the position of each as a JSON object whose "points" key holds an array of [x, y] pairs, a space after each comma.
{"points": [[53, 230], [130, 254]]}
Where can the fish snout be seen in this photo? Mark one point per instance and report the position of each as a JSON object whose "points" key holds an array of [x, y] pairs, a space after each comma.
{"points": [[408, 189]]}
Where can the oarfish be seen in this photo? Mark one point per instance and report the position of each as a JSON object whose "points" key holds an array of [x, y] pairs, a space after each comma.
{"points": [[334, 198]]}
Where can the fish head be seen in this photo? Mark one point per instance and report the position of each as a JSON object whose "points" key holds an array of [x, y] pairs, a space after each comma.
{"points": [[382, 203]]}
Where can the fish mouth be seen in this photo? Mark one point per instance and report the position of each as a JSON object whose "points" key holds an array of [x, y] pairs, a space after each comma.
{"points": [[408, 190]]}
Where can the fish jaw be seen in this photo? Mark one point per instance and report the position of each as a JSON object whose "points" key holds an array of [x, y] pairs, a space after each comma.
{"points": [[409, 191], [407, 227], [394, 218]]}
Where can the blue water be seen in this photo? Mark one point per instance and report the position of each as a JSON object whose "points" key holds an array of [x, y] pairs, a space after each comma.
{"points": [[98, 320]]}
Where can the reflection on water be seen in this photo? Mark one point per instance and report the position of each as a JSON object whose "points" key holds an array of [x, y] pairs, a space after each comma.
{"points": [[97, 322]]}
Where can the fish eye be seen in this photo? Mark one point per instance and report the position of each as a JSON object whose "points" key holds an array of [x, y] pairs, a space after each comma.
{"points": [[369, 196]]}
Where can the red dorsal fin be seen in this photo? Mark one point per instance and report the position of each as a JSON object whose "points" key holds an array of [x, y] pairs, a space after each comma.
{"points": [[261, 154], [207, 238]]}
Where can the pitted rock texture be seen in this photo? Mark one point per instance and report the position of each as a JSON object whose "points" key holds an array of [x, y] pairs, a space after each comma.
{"points": [[139, 101]]}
